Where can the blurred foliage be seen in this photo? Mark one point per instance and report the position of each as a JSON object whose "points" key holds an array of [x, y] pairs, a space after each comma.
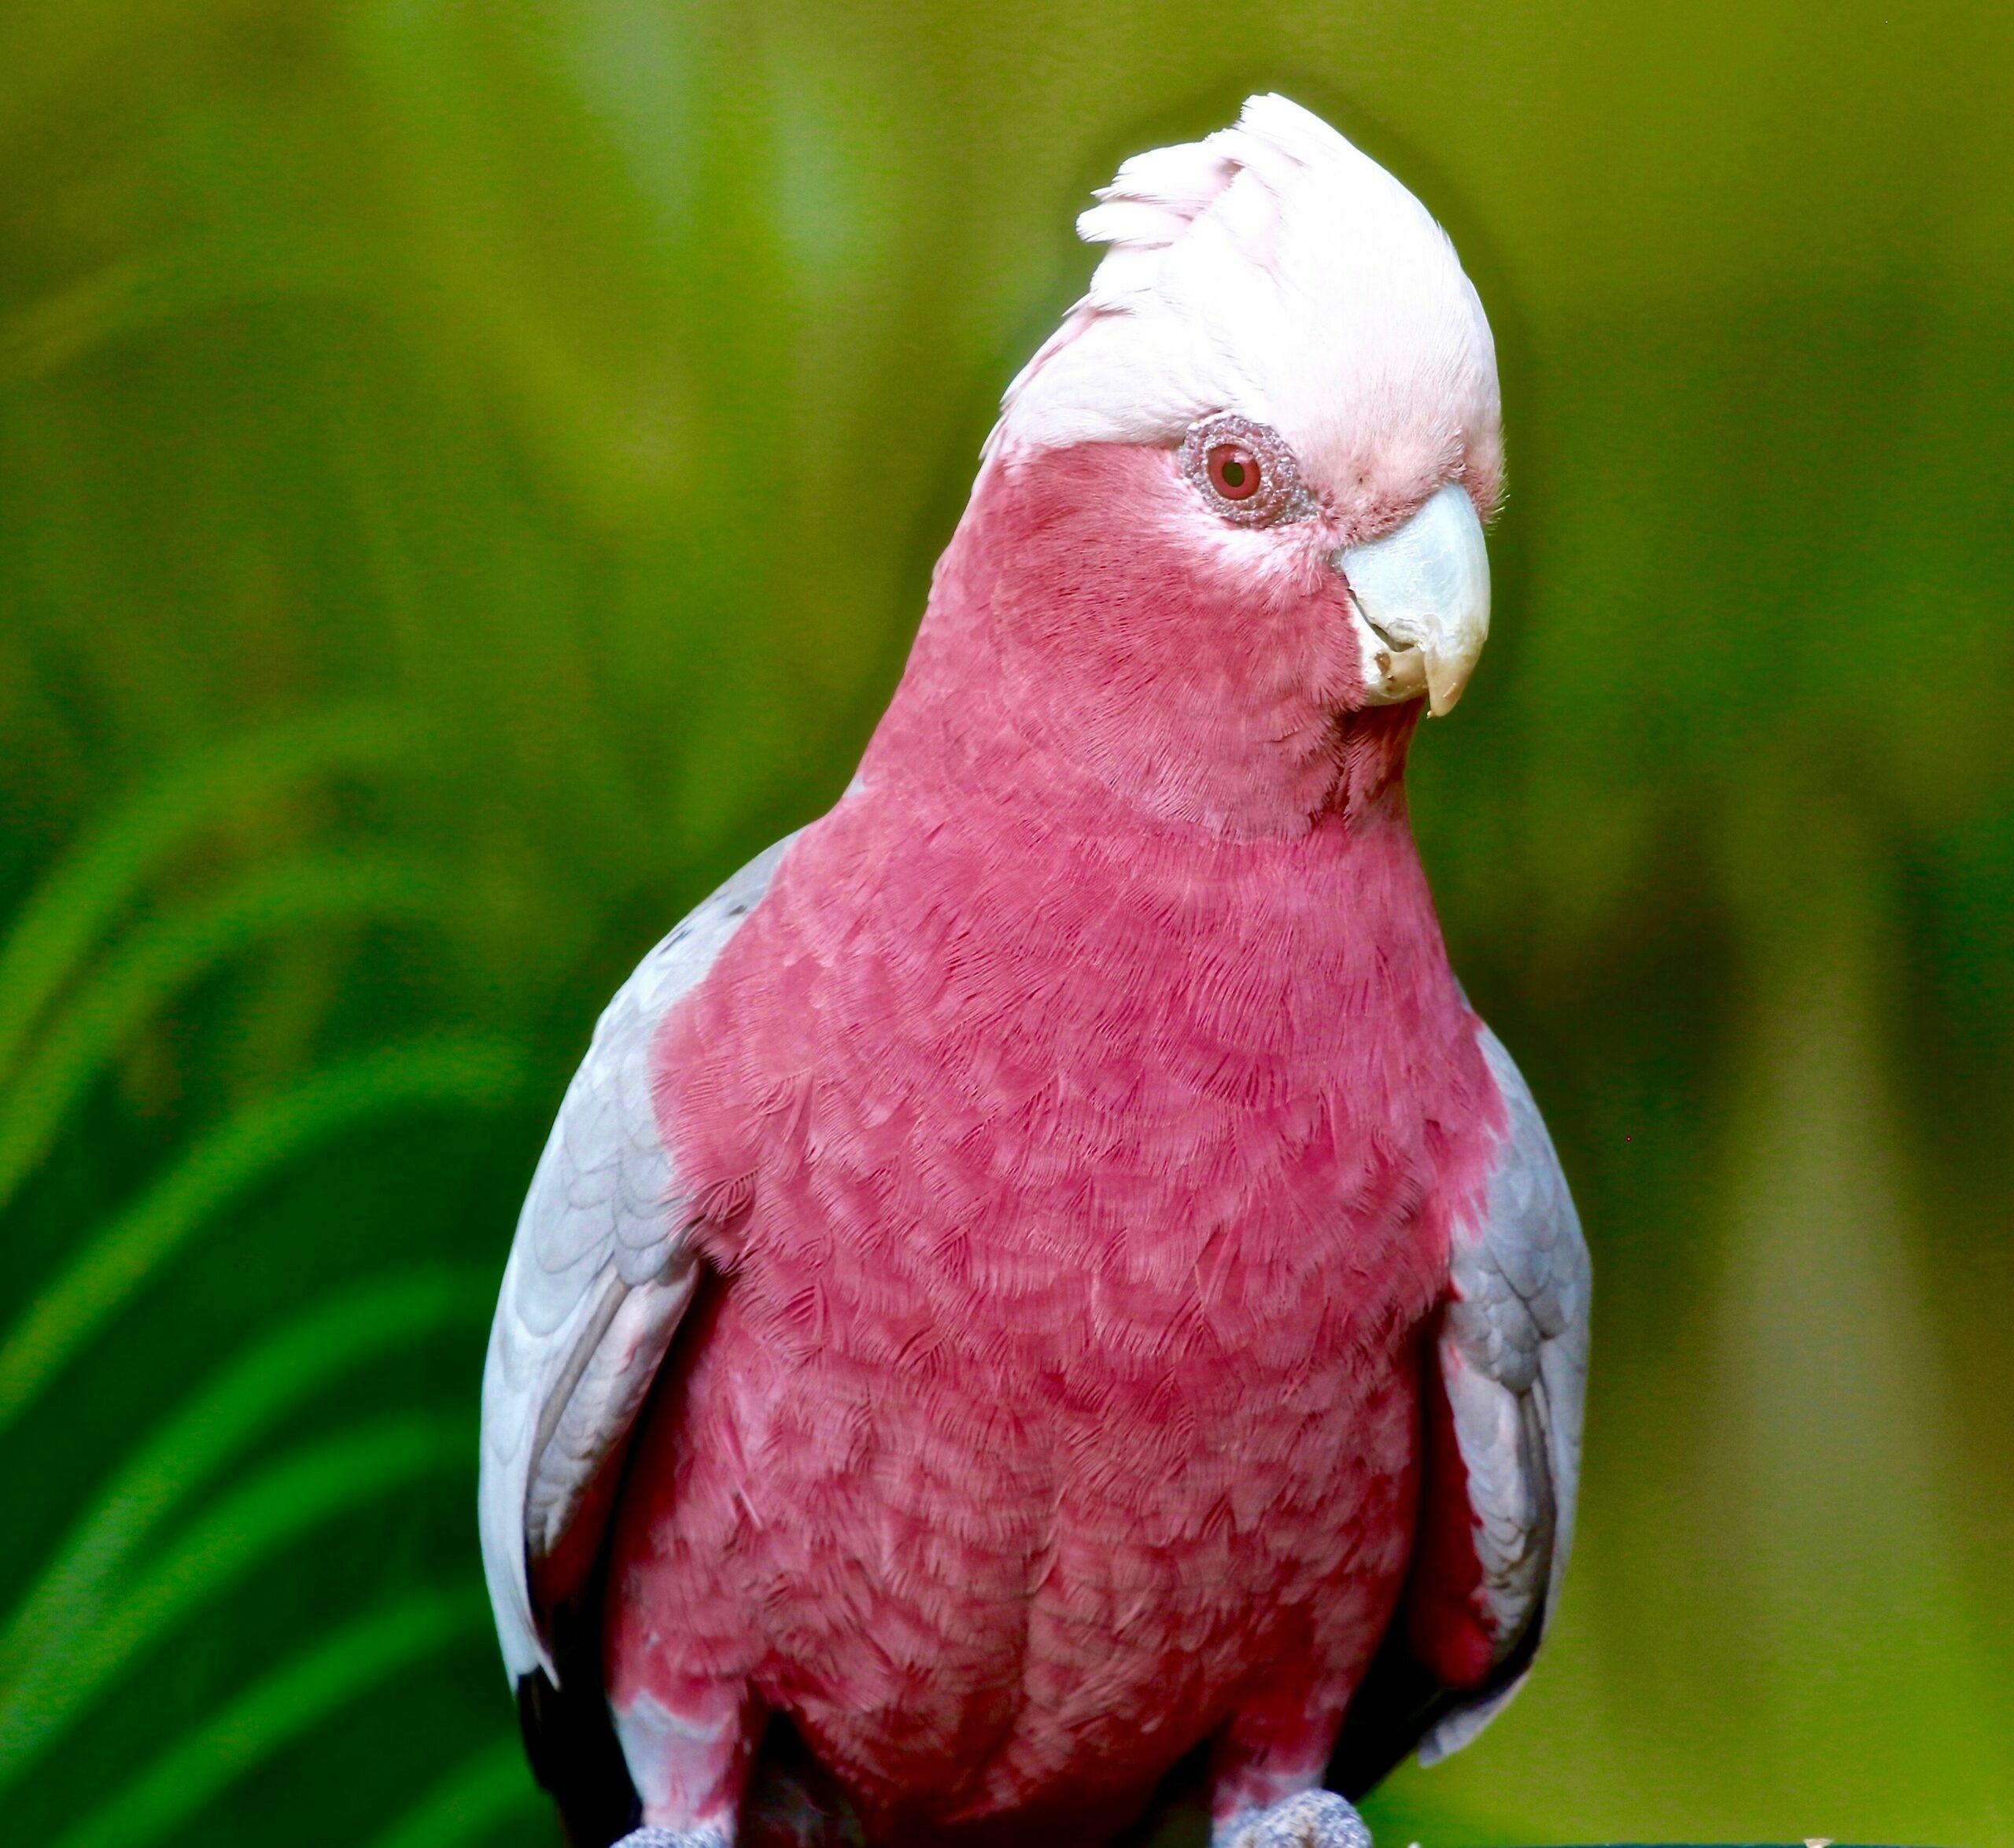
{"points": [[468, 475]]}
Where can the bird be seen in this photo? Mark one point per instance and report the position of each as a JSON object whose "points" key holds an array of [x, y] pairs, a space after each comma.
{"points": [[1042, 1292]]}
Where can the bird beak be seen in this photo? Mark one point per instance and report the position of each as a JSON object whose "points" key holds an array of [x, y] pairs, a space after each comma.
{"points": [[1421, 595]]}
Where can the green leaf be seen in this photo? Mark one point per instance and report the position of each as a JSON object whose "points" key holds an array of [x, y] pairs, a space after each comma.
{"points": [[246, 1400], [153, 962], [486, 1788], [73, 903], [245, 1149], [271, 1713], [290, 1500]]}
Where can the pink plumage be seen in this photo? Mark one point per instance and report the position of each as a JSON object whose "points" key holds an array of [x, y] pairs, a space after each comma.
{"points": [[1103, 1269]]}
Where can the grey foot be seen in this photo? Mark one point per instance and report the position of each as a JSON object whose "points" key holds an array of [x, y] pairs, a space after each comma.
{"points": [[1315, 1819], [651, 1837]]}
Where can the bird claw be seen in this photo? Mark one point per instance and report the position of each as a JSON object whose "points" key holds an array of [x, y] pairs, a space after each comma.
{"points": [[1315, 1819], [650, 1836]]}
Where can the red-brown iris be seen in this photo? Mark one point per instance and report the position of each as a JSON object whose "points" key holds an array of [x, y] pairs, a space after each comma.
{"points": [[1234, 471], [1244, 471]]}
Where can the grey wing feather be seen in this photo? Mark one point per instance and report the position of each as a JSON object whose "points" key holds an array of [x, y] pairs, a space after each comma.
{"points": [[1514, 1359], [599, 1273]]}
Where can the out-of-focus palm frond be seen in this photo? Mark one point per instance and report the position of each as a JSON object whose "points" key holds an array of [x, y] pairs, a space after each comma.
{"points": [[220, 1490], [273, 1711]]}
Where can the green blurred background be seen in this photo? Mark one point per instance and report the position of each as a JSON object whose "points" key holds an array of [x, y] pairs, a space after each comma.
{"points": [[468, 476]]}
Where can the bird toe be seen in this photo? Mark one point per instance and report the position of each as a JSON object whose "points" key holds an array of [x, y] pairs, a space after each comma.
{"points": [[1315, 1819], [650, 1836]]}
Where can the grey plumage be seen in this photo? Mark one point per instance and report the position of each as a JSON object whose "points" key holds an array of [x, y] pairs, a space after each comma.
{"points": [[600, 1274], [1513, 1354]]}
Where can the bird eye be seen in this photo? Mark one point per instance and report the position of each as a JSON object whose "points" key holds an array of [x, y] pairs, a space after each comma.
{"points": [[1245, 470], [1234, 471]]}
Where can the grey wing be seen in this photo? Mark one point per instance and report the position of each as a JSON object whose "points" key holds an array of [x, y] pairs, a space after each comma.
{"points": [[599, 1273], [1513, 1357]]}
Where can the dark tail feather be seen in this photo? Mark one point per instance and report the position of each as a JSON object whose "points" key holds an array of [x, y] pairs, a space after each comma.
{"points": [[1391, 1712], [1399, 1702], [570, 1738], [793, 1801]]}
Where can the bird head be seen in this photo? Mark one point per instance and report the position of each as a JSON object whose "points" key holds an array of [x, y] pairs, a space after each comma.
{"points": [[1248, 475]]}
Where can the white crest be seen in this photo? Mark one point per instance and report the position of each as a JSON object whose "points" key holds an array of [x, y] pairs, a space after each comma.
{"points": [[1273, 270]]}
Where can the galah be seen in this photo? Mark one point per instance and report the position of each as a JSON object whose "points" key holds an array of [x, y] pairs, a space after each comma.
{"points": [[1042, 1282]]}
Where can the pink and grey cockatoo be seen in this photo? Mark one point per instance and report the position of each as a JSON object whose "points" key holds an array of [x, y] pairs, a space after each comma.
{"points": [[1042, 1280]]}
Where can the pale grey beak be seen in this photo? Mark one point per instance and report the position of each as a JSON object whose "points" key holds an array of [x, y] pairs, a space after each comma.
{"points": [[1422, 602]]}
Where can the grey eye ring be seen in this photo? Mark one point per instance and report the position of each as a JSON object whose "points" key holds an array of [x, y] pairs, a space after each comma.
{"points": [[1246, 471]]}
